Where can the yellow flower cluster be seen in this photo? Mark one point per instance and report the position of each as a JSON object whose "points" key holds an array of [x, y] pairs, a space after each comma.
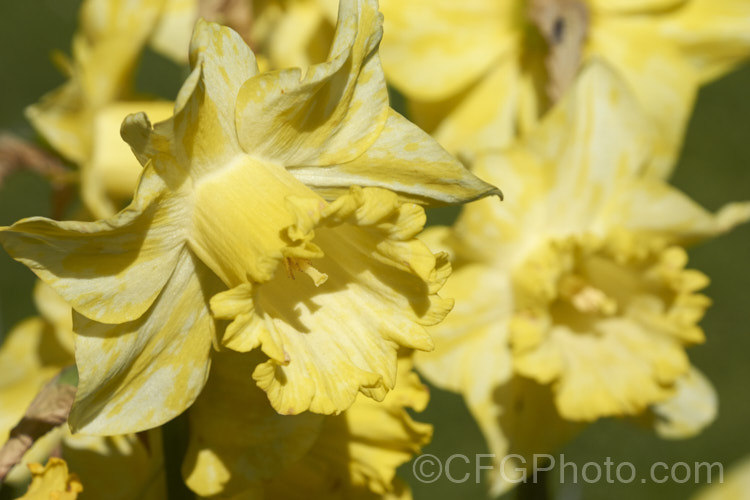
{"points": [[250, 255]]}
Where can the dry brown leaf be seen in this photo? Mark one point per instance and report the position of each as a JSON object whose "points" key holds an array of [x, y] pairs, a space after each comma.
{"points": [[49, 409], [564, 25]]}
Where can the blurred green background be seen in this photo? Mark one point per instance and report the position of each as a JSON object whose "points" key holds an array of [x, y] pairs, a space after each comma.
{"points": [[714, 169]]}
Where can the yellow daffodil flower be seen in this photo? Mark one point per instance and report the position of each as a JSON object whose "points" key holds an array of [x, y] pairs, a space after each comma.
{"points": [[250, 186], [82, 118], [283, 33], [52, 481], [573, 300], [481, 72], [241, 448]]}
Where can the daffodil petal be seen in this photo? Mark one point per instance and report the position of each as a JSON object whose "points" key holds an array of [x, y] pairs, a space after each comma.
{"points": [[357, 453], [110, 175], [693, 407], [599, 111], [109, 271], [203, 117], [623, 370], [663, 82], [379, 294], [519, 421], [491, 114], [171, 36], [52, 481], [735, 486], [244, 244], [433, 49], [57, 313], [302, 34], [653, 206], [405, 160], [30, 356], [471, 343], [236, 437], [712, 34], [331, 115], [138, 375]]}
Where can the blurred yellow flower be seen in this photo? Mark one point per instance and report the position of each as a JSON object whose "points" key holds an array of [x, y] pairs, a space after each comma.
{"points": [[572, 298], [52, 481], [734, 486], [481, 72], [240, 447], [234, 196], [82, 118]]}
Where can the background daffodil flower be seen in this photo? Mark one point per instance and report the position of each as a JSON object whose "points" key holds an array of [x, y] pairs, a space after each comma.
{"points": [[240, 445], [81, 119], [53, 481], [734, 486], [233, 201], [479, 73], [32, 353], [573, 301]]}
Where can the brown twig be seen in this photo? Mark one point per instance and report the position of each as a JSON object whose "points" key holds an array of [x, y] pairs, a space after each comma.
{"points": [[18, 154]]}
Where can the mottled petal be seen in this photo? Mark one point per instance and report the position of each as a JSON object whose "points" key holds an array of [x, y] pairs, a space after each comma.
{"points": [[140, 374], [405, 160], [109, 270], [333, 113], [201, 137]]}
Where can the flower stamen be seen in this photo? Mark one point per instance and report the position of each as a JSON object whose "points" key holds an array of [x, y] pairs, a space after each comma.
{"points": [[304, 266]]}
